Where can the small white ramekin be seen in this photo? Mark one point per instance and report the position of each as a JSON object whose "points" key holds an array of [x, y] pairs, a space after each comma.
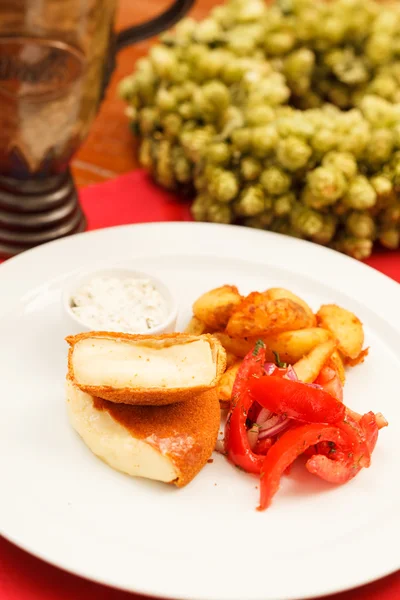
{"points": [[75, 283]]}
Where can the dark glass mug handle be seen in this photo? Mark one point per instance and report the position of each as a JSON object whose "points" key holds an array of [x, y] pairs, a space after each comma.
{"points": [[153, 27]]}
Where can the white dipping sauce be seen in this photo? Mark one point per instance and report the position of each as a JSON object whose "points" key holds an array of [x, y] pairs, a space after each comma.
{"points": [[127, 305]]}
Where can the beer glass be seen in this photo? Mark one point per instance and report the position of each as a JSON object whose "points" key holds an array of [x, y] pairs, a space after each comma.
{"points": [[56, 58]]}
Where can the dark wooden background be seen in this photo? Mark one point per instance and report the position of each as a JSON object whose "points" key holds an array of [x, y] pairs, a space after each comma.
{"points": [[109, 149]]}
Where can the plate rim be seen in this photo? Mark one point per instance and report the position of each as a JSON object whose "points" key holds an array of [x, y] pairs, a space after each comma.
{"points": [[330, 255]]}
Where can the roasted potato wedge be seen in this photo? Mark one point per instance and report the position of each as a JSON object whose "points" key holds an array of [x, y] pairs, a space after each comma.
{"points": [[231, 359], [215, 307], [197, 327], [278, 293], [293, 345], [345, 326], [225, 384], [308, 368], [257, 316], [290, 345], [236, 346], [353, 362], [335, 362]]}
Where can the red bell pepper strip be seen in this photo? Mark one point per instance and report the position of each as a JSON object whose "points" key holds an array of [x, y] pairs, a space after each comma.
{"points": [[339, 467], [237, 445], [356, 434], [329, 380], [285, 451], [296, 400], [263, 446], [379, 418]]}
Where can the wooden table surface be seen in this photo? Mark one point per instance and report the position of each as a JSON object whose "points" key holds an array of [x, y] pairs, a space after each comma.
{"points": [[110, 148]]}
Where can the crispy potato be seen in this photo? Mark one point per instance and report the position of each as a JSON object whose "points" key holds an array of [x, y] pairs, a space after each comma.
{"points": [[215, 307], [231, 359], [290, 345], [353, 362], [335, 362], [197, 327], [345, 326], [257, 316], [277, 293], [293, 345], [308, 368], [236, 346], [225, 384]]}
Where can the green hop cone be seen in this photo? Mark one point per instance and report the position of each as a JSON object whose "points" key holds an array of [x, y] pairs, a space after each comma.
{"points": [[306, 221], [360, 194], [163, 60], [275, 181], [200, 206], [326, 185], [163, 172], [219, 213], [327, 232], [252, 202], [223, 186], [283, 204], [181, 165], [391, 215], [343, 161], [242, 139], [172, 125], [218, 153], [382, 186], [195, 143], [380, 148], [148, 120], [263, 140], [262, 221], [360, 225], [165, 100], [293, 154], [356, 247], [250, 168], [145, 154], [211, 100], [390, 238]]}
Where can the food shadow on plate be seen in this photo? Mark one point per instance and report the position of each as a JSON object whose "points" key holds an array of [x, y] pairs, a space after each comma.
{"points": [[303, 483]]}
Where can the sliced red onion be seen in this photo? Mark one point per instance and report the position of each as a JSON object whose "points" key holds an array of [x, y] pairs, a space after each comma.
{"points": [[269, 368], [263, 416], [277, 424], [252, 435], [291, 374], [271, 422]]}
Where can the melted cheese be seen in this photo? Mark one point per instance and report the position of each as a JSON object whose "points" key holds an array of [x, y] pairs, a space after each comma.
{"points": [[121, 364], [114, 444]]}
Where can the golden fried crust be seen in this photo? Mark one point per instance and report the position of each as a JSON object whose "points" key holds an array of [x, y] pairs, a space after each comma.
{"points": [[141, 396], [186, 432]]}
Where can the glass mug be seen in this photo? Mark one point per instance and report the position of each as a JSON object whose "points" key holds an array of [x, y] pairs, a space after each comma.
{"points": [[56, 58]]}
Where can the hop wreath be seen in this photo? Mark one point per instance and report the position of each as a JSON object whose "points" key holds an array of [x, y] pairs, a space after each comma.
{"points": [[282, 116]]}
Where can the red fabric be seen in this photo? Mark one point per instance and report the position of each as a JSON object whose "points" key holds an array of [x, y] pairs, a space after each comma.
{"points": [[133, 198]]}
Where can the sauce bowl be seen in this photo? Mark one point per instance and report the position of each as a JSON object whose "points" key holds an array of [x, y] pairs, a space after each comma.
{"points": [[75, 284]]}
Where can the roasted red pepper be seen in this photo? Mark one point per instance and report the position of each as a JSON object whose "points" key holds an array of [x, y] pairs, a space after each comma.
{"points": [[296, 400], [289, 446], [339, 467], [237, 445], [329, 380], [355, 433]]}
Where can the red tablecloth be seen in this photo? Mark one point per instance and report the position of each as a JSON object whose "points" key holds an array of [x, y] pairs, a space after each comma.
{"points": [[133, 198]]}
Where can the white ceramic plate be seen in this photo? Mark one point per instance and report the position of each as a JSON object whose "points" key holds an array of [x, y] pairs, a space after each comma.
{"points": [[206, 541]]}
